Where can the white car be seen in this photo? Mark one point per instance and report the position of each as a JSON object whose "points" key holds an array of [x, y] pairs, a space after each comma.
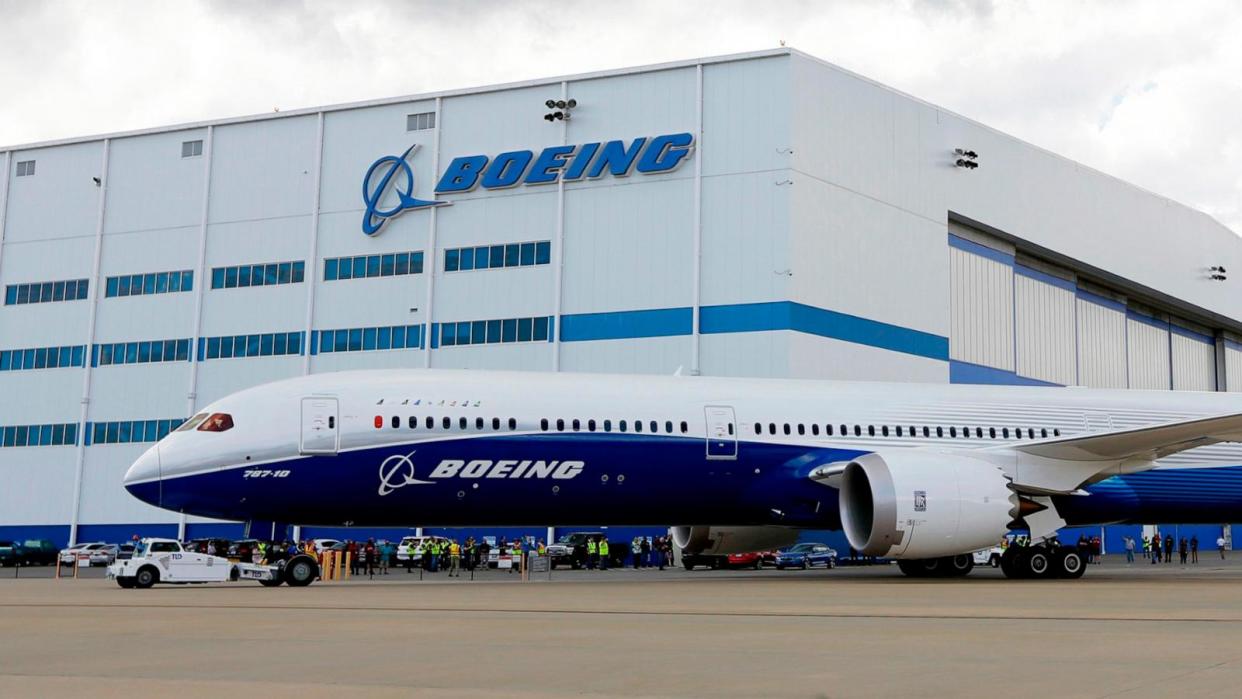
{"points": [[69, 556], [322, 545], [419, 543], [167, 561]]}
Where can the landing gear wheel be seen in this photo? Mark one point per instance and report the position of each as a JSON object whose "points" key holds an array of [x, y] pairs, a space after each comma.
{"points": [[923, 568], [146, 577], [1039, 563], [959, 566], [1013, 563], [1068, 563]]}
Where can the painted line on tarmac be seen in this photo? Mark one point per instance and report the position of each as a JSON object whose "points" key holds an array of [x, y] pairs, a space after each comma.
{"points": [[629, 612]]}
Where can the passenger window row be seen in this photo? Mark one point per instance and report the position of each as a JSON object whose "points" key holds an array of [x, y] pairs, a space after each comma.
{"points": [[479, 332], [46, 292], [39, 435], [364, 266], [268, 274], [238, 346], [127, 431], [141, 352], [42, 358], [446, 423], [498, 256], [367, 339], [606, 425], [152, 283], [912, 431]]}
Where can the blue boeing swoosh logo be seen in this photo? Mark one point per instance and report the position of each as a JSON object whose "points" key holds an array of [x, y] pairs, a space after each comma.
{"points": [[374, 188]]}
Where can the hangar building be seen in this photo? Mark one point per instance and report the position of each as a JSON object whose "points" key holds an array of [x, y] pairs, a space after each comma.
{"points": [[761, 214]]}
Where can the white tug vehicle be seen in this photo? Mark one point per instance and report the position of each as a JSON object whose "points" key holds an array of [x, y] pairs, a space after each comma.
{"points": [[167, 561]]}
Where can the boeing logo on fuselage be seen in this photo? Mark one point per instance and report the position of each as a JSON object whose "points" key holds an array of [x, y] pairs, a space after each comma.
{"points": [[397, 471]]}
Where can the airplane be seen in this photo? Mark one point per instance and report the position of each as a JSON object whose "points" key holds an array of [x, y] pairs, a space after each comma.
{"points": [[921, 473]]}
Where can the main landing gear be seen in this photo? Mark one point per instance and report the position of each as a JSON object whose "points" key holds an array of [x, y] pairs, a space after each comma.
{"points": [[1042, 561], [948, 567]]}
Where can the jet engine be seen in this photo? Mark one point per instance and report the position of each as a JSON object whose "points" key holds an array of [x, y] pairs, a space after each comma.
{"points": [[911, 504], [717, 540]]}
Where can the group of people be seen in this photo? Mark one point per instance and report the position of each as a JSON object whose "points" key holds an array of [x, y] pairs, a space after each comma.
{"points": [[1159, 548], [1090, 548], [649, 553]]}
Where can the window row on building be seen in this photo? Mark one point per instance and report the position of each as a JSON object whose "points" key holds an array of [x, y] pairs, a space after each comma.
{"points": [[260, 345], [364, 266], [55, 435], [46, 292], [367, 339], [150, 283], [127, 431], [480, 332], [498, 256], [42, 358], [144, 352], [267, 274]]}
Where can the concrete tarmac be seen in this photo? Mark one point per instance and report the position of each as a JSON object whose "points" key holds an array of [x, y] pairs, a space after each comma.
{"points": [[1140, 631]]}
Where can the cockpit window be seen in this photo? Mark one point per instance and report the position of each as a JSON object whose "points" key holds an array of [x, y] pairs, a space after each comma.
{"points": [[218, 422], [191, 423]]}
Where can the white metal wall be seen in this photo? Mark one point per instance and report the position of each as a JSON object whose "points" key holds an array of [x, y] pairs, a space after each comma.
{"points": [[1193, 362], [1101, 346], [981, 300], [1045, 331], [1233, 367], [1147, 353]]}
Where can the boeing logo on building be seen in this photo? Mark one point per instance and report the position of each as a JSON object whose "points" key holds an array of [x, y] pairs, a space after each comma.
{"points": [[587, 161], [374, 188]]}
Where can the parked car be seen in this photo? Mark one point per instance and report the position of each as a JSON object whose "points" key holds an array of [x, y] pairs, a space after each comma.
{"points": [[38, 552], [237, 547], [806, 556], [420, 542], [204, 544], [752, 559], [104, 555], [322, 545], [690, 561], [10, 553], [125, 552], [571, 549], [69, 556]]}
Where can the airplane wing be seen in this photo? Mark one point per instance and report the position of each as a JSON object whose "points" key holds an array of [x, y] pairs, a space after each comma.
{"points": [[1143, 443]]}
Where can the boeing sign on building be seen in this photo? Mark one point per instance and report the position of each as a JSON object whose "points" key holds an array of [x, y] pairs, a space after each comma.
{"points": [[509, 169]]}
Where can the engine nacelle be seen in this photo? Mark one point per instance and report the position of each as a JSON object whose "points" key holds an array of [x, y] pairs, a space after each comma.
{"points": [[718, 540], [914, 504]]}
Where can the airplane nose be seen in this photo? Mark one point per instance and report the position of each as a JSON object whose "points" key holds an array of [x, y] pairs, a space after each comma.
{"points": [[142, 479]]}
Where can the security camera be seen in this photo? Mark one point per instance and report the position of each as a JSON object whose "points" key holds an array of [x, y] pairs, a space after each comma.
{"points": [[550, 104], [572, 103]]}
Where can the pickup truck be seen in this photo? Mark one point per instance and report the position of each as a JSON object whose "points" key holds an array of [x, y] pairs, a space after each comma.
{"points": [[167, 561]]}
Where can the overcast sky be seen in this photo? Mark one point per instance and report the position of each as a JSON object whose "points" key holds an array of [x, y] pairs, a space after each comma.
{"points": [[1148, 91]]}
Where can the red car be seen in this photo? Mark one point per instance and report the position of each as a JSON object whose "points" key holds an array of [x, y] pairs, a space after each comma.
{"points": [[753, 559]]}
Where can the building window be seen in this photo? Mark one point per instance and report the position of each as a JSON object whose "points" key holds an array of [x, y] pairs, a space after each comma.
{"points": [[25, 168], [42, 358], [191, 149], [241, 346], [54, 435], [526, 254], [144, 352], [46, 292], [488, 332], [150, 283], [394, 264], [390, 337], [267, 274], [420, 122], [126, 431]]}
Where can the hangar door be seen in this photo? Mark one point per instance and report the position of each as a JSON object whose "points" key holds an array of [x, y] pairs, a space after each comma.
{"points": [[320, 426]]}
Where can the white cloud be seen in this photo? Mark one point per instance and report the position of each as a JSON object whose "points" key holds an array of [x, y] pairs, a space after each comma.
{"points": [[1143, 90]]}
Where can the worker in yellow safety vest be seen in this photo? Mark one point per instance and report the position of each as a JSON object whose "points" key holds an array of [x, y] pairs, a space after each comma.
{"points": [[454, 559], [409, 557], [603, 553], [592, 554], [262, 552]]}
